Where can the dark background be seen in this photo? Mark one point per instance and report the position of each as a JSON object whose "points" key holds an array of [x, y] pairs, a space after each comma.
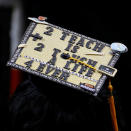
{"points": [[108, 23]]}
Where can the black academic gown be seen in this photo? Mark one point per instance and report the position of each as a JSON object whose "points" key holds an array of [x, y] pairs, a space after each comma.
{"points": [[39, 104]]}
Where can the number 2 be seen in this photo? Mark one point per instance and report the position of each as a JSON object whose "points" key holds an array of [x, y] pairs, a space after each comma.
{"points": [[49, 31], [39, 47]]}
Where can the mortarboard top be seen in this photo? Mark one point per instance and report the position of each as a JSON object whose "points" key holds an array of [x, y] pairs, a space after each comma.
{"points": [[66, 57]]}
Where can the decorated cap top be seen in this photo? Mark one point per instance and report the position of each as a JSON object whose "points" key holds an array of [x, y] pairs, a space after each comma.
{"points": [[66, 57]]}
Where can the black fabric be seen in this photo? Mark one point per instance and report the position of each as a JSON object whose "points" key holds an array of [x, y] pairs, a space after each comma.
{"points": [[40, 104], [34, 108]]}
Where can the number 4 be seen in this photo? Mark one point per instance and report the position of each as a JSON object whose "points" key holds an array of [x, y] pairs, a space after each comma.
{"points": [[28, 63]]}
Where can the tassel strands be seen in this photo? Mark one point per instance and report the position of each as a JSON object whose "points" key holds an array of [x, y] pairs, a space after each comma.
{"points": [[112, 107]]}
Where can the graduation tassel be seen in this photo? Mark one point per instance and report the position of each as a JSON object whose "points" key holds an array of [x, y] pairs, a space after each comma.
{"points": [[112, 107]]}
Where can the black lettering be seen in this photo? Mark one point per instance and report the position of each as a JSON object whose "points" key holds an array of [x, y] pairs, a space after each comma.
{"points": [[56, 73], [83, 69], [78, 57], [56, 51], [75, 48], [53, 59], [89, 43], [81, 42], [75, 67], [72, 39], [74, 56], [68, 47], [65, 34], [49, 31], [28, 63], [72, 61], [83, 59], [64, 76], [41, 67], [91, 71], [36, 36], [49, 69], [98, 47], [39, 47], [67, 65], [91, 62]]}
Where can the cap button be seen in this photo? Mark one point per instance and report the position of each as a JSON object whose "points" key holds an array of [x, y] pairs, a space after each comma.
{"points": [[42, 18]]}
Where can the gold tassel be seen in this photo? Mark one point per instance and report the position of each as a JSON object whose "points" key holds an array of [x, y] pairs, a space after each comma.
{"points": [[112, 107]]}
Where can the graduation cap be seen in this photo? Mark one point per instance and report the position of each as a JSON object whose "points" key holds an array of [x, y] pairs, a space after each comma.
{"points": [[69, 58], [66, 57]]}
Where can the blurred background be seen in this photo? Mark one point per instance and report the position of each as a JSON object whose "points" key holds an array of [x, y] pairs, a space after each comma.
{"points": [[108, 23]]}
